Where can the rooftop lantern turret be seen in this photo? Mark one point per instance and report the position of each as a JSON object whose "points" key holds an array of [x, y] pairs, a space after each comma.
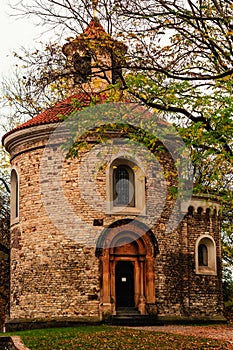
{"points": [[95, 58]]}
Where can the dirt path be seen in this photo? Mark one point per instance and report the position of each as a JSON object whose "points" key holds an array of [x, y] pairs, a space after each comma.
{"points": [[224, 333]]}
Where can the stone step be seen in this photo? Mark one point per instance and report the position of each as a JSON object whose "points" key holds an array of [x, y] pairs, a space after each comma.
{"points": [[127, 311], [133, 320]]}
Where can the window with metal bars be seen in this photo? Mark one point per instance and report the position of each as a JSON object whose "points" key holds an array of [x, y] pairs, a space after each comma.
{"points": [[123, 183]]}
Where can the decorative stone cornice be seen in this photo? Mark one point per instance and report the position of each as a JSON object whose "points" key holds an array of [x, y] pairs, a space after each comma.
{"points": [[202, 203], [32, 135]]}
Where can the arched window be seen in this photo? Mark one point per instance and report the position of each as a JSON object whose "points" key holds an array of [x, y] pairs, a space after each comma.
{"points": [[190, 210], [14, 196], [202, 255], [123, 186], [206, 256], [82, 66]]}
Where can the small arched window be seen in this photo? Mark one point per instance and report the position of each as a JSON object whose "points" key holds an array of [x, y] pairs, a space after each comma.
{"points": [[14, 196], [206, 256], [123, 186], [82, 66], [190, 210], [202, 255]]}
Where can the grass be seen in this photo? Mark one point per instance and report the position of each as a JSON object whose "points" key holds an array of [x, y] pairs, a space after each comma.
{"points": [[107, 337]]}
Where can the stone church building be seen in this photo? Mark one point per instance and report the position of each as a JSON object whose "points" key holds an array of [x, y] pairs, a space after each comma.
{"points": [[89, 234]]}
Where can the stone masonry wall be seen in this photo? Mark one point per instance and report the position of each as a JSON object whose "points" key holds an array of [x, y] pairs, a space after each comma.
{"points": [[205, 291], [180, 291], [4, 275], [51, 274], [54, 270]]}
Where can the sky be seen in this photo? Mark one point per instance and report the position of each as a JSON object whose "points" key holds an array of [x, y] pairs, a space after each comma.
{"points": [[15, 34]]}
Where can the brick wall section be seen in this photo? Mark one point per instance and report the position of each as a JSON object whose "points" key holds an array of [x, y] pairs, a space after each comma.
{"points": [[53, 274]]}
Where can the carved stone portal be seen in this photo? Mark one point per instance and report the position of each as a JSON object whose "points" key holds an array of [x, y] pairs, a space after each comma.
{"points": [[127, 273]]}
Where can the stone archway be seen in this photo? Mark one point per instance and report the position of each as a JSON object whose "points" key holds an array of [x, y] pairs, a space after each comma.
{"points": [[127, 244]]}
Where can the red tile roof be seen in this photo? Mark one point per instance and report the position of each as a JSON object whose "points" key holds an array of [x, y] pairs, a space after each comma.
{"points": [[55, 113], [66, 107], [94, 30]]}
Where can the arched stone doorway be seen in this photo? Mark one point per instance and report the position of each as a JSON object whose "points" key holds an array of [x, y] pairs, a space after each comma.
{"points": [[126, 251]]}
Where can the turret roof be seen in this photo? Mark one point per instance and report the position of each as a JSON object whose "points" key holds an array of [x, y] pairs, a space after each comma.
{"points": [[53, 115], [94, 32]]}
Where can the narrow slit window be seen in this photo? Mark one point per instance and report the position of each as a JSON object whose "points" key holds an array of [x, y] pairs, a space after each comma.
{"points": [[14, 195]]}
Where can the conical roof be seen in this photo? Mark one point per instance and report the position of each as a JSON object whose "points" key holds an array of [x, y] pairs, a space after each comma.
{"points": [[95, 35]]}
